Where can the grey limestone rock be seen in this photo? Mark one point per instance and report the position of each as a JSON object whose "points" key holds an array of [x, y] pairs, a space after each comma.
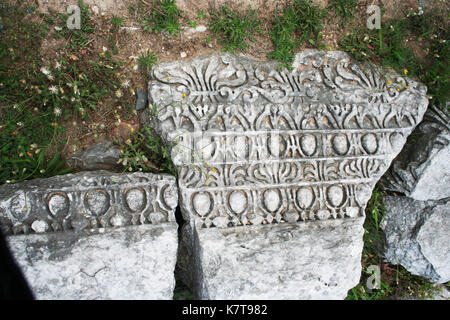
{"points": [[141, 100], [101, 156], [258, 149], [94, 235], [422, 170], [417, 236]]}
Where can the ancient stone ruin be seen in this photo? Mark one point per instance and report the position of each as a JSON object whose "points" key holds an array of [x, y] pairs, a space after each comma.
{"points": [[417, 221], [422, 170], [94, 235], [275, 167]]}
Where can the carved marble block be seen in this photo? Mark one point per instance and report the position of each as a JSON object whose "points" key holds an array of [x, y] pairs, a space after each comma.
{"points": [[94, 235], [257, 147]]}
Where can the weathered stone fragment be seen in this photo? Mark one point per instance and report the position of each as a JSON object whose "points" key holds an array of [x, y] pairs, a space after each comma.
{"points": [[64, 232], [417, 236], [257, 147], [101, 156], [141, 99], [311, 260], [422, 170]]}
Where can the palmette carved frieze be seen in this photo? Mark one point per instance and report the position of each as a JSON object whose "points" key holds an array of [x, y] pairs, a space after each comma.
{"points": [[88, 200], [317, 77], [254, 144]]}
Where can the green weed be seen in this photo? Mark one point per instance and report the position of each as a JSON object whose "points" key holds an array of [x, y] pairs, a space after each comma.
{"points": [[147, 60], [116, 21], [388, 47], [343, 9], [201, 14], [234, 29], [163, 16], [192, 24], [145, 152], [298, 23]]}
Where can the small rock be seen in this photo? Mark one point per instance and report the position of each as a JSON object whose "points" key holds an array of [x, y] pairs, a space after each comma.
{"points": [[210, 45], [101, 156], [141, 101], [183, 54], [95, 10], [200, 28]]}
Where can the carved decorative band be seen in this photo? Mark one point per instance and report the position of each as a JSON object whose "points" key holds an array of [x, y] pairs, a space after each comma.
{"points": [[277, 204], [88, 206], [217, 148]]}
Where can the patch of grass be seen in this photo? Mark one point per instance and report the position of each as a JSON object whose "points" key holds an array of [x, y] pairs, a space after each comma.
{"points": [[298, 23], [233, 28], [163, 16], [37, 98], [147, 60], [145, 152], [361, 44], [283, 37], [192, 24], [27, 126], [343, 9], [116, 21], [388, 47], [309, 21], [395, 280], [201, 14]]}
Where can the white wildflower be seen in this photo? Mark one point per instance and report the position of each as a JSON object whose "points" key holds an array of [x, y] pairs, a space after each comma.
{"points": [[53, 89], [126, 83], [45, 71], [57, 112]]}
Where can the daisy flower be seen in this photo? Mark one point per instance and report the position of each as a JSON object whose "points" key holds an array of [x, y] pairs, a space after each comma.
{"points": [[53, 89], [45, 71], [126, 83], [57, 112]]}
